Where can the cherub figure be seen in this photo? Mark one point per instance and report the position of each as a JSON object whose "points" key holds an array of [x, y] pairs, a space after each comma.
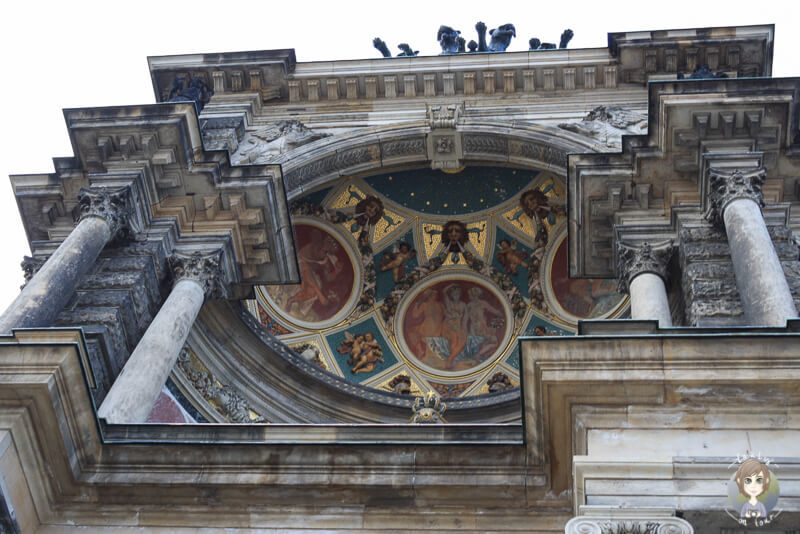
{"points": [[511, 258], [395, 261], [364, 352], [752, 478]]}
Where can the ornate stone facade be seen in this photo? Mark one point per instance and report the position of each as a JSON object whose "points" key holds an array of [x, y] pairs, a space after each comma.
{"points": [[455, 240], [725, 187], [635, 260]]}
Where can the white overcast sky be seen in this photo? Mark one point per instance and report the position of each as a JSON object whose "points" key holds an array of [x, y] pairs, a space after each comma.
{"points": [[88, 54]]}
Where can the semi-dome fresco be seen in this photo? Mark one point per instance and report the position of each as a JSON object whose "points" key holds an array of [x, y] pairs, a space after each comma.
{"points": [[422, 279]]}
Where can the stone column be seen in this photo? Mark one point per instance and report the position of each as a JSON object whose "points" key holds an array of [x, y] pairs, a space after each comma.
{"points": [[642, 271], [735, 200], [137, 387], [104, 215]]}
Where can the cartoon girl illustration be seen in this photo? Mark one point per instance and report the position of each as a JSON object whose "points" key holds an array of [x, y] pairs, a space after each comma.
{"points": [[752, 478]]}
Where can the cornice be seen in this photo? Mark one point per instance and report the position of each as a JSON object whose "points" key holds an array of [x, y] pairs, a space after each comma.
{"points": [[692, 125], [158, 151]]}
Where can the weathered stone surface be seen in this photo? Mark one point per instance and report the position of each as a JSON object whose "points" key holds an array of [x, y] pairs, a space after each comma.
{"points": [[137, 387], [725, 187], [719, 288], [649, 299], [45, 295], [722, 311], [765, 294], [711, 269]]}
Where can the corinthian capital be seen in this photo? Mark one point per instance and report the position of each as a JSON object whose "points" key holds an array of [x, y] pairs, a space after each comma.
{"points": [[659, 525], [726, 186], [205, 269], [111, 205], [635, 260]]}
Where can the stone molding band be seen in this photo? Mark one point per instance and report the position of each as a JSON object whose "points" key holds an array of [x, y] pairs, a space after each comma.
{"points": [[635, 260], [726, 186]]}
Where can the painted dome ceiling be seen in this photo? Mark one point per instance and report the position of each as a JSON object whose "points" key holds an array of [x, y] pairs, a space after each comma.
{"points": [[421, 280]]}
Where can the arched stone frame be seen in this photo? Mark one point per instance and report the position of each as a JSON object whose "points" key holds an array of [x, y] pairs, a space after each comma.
{"points": [[232, 344]]}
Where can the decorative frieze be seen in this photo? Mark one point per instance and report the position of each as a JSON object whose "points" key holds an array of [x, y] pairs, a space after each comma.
{"points": [[509, 84], [733, 56], [589, 77], [410, 85], [371, 87], [671, 60], [549, 76], [312, 90], [294, 91], [529, 81], [390, 86], [488, 82], [449, 83], [650, 60], [332, 86], [569, 78], [236, 81], [691, 59], [218, 79], [712, 58], [469, 83], [429, 81], [226, 400], [610, 77], [255, 80], [351, 88]]}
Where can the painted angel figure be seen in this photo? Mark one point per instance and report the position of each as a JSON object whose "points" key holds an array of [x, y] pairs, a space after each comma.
{"points": [[511, 258], [364, 352], [395, 261]]}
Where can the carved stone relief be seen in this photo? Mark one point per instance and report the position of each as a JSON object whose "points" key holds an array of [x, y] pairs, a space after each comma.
{"points": [[660, 525], [267, 143], [608, 124], [224, 398], [635, 260]]}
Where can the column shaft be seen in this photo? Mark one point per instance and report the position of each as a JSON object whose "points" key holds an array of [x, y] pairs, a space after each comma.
{"points": [[649, 299], [765, 294], [49, 290], [136, 389]]}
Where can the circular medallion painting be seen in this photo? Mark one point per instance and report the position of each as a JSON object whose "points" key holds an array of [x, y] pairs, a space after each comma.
{"points": [[581, 298], [328, 278], [454, 324]]}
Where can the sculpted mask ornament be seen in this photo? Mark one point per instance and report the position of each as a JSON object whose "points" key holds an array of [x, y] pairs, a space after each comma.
{"points": [[30, 266], [444, 116], [368, 212], [635, 260], [428, 409], [454, 236], [113, 206]]}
